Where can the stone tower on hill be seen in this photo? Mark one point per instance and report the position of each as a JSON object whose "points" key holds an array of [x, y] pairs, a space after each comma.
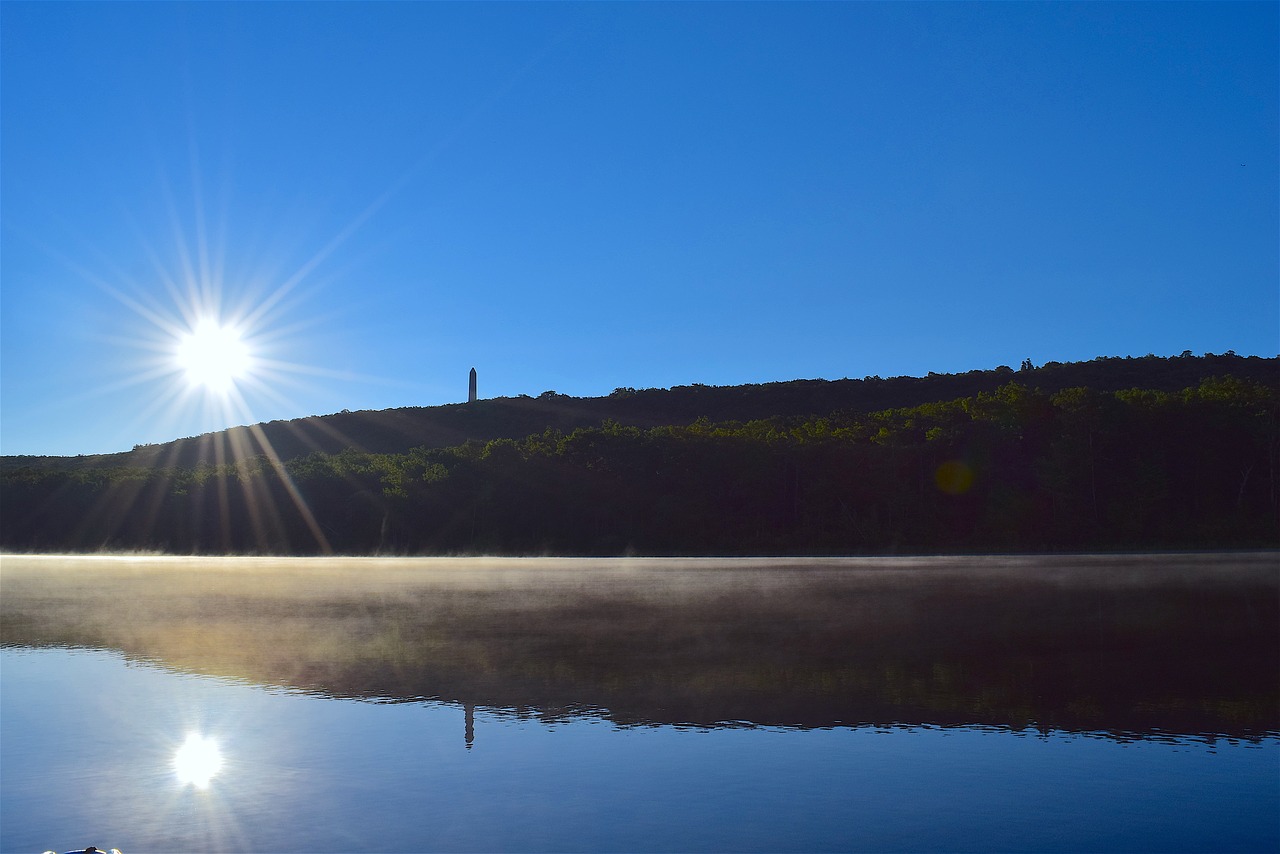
{"points": [[471, 391]]}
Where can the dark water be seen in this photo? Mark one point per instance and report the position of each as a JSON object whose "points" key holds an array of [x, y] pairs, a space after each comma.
{"points": [[1067, 704]]}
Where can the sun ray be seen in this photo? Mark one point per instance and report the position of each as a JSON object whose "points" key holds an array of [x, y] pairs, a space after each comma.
{"points": [[196, 298], [185, 305]]}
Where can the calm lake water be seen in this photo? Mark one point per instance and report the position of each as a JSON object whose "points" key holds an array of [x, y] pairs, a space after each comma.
{"points": [[1011, 704]]}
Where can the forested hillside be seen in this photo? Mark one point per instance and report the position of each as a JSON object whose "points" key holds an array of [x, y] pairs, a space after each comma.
{"points": [[1015, 468], [393, 431]]}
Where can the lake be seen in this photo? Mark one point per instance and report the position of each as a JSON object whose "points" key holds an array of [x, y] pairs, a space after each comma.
{"points": [[1081, 703]]}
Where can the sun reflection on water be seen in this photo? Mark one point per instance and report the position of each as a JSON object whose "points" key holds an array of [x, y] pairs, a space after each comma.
{"points": [[197, 761]]}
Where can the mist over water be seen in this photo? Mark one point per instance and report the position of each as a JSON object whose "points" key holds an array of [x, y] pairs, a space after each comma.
{"points": [[1070, 703]]}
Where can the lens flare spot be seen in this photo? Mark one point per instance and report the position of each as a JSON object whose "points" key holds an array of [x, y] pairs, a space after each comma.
{"points": [[954, 477], [197, 761]]}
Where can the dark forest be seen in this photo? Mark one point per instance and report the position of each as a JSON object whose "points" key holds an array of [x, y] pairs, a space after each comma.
{"points": [[1126, 459]]}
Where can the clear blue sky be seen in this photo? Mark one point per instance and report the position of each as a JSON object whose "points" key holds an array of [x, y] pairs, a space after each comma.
{"points": [[584, 196]]}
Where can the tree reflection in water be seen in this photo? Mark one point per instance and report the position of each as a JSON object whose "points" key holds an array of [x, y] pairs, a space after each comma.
{"points": [[1137, 646]]}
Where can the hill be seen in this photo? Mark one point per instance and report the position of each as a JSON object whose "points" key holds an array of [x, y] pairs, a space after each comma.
{"points": [[1165, 465], [395, 431]]}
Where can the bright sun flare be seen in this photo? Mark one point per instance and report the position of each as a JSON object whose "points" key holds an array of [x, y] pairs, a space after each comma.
{"points": [[197, 761], [213, 356]]}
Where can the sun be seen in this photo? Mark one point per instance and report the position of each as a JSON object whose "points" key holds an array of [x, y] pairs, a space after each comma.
{"points": [[213, 356], [197, 761]]}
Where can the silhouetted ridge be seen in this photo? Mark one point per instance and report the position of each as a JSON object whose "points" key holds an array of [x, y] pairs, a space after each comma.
{"points": [[1017, 468], [393, 431]]}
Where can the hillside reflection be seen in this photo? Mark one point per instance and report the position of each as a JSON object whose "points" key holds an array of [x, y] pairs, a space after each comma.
{"points": [[1135, 646]]}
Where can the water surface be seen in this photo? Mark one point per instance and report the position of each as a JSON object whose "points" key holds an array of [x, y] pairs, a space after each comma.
{"points": [[907, 705]]}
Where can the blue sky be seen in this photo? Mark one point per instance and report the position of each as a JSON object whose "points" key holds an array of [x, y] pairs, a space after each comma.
{"points": [[578, 197]]}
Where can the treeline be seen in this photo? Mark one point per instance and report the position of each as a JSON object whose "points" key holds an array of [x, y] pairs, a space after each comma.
{"points": [[396, 431], [1013, 469]]}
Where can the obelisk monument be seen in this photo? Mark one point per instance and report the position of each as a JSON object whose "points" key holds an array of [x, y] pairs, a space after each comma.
{"points": [[471, 391]]}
